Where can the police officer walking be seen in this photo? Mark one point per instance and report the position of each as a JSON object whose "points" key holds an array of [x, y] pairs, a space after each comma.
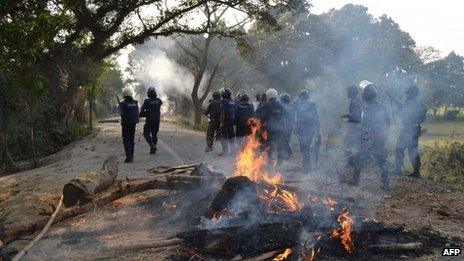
{"points": [[307, 125], [228, 122], [214, 111], [243, 112], [151, 111], [375, 121], [352, 141], [412, 114], [271, 115], [288, 123], [129, 111]]}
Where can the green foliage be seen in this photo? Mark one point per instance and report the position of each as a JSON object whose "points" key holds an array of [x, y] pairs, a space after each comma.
{"points": [[444, 162]]}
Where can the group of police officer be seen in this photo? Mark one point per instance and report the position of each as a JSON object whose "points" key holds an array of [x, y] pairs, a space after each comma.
{"points": [[130, 114], [366, 138], [277, 116]]}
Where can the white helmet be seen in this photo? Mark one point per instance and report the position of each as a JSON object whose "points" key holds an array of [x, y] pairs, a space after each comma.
{"points": [[271, 94], [127, 91], [363, 84]]}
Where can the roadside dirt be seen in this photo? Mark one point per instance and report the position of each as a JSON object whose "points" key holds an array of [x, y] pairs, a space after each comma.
{"points": [[142, 217]]}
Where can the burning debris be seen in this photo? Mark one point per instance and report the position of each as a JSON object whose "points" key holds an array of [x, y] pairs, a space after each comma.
{"points": [[345, 232], [252, 214]]}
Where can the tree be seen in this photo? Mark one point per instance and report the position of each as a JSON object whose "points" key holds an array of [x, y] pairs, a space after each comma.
{"points": [[66, 41]]}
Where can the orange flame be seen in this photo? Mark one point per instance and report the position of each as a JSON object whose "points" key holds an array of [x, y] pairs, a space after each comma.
{"points": [[251, 163], [345, 232], [329, 202], [284, 255]]}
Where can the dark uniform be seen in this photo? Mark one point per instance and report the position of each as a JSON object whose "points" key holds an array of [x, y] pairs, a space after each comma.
{"points": [[375, 121], [307, 125], [412, 114], [243, 112], [129, 111], [271, 115], [227, 125], [214, 111], [352, 141], [288, 123], [151, 111]]}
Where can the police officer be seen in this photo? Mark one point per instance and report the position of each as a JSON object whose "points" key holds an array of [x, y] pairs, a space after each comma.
{"points": [[412, 114], [352, 141], [307, 125], [214, 111], [243, 112], [374, 123], [129, 111], [151, 111], [288, 123], [228, 122], [271, 115]]}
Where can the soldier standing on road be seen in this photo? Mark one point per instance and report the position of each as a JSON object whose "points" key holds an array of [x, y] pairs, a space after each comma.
{"points": [[214, 111], [271, 115], [412, 114], [352, 141], [151, 111], [288, 123], [307, 125], [129, 111], [374, 123], [243, 112], [228, 122]]}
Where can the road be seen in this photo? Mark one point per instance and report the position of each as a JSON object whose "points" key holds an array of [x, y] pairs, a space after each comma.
{"points": [[26, 195]]}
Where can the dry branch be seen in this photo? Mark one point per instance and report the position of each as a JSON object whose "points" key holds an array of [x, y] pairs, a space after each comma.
{"points": [[167, 169]]}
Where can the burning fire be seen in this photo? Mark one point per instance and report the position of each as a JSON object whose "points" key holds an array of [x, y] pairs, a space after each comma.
{"points": [[345, 232], [251, 163], [329, 202], [284, 255]]}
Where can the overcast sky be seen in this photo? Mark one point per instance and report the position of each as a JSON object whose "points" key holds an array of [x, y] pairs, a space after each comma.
{"points": [[431, 23]]}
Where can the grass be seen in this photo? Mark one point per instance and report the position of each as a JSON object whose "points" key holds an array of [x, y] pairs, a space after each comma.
{"points": [[442, 132]]}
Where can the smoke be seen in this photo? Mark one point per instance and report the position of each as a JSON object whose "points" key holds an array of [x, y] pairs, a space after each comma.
{"points": [[148, 65]]}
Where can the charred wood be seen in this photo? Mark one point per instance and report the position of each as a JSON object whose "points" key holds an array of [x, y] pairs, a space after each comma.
{"points": [[244, 240]]}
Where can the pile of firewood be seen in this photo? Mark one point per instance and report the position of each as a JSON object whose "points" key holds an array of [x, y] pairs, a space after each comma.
{"points": [[287, 235]]}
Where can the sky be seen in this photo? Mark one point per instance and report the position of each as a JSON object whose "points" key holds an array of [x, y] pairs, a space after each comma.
{"points": [[439, 24]]}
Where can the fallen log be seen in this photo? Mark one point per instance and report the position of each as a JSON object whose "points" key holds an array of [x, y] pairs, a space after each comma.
{"points": [[115, 192], [82, 188], [145, 245], [246, 240], [413, 246]]}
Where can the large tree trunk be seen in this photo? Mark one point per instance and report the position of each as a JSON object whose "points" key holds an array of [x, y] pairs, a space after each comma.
{"points": [[81, 189]]}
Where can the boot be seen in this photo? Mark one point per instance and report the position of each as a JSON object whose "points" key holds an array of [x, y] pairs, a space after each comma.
{"points": [[128, 160], [208, 149], [415, 173], [385, 185], [153, 150]]}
